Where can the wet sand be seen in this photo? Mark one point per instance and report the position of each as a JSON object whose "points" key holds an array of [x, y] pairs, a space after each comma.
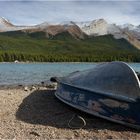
{"points": [[37, 114]]}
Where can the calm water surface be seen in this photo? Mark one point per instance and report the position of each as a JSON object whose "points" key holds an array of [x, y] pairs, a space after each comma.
{"points": [[34, 73]]}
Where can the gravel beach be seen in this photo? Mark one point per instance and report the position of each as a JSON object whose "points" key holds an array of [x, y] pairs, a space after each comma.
{"points": [[37, 114]]}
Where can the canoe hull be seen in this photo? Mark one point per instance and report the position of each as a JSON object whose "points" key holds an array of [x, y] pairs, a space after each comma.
{"points": [[100, 105]]}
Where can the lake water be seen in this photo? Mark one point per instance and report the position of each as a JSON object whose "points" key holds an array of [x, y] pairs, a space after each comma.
{"points": [[34, 73]]}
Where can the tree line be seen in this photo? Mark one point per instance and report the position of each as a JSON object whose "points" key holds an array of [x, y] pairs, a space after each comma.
{"points": [[127, 57]]}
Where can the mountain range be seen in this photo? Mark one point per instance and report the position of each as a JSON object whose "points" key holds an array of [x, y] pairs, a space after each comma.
{"points": [[95, 40], [79, 30]]}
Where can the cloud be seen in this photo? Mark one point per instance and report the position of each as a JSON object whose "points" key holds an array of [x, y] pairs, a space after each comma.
{"points": [[35, 12]]}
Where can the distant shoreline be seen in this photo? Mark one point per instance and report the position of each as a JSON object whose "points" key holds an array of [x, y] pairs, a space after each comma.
{"points": [[59, 62], [48, 62]]}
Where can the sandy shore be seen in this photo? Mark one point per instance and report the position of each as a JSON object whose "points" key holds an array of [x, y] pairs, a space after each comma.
{"points": [[37, 114]]}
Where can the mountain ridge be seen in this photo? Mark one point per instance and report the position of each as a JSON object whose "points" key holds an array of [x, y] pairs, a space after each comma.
{"points": [[70, 30], [96, 27]]}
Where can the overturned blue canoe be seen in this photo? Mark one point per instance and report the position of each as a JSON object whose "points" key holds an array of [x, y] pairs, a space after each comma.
{"points": [[110, 91]]}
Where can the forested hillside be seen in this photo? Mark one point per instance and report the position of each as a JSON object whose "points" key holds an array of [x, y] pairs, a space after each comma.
{"points": [[35, 46]]}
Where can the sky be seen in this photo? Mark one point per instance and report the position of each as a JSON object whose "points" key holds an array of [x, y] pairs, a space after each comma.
{"points": [[24, 12]]}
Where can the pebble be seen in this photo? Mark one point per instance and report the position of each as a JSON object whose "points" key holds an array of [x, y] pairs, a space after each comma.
{"points": [[54, 86], [109, 137], [10, 93], [76, 134], [20, 85], [33, 88], [34, 133], [26, 89], [42, 83]]}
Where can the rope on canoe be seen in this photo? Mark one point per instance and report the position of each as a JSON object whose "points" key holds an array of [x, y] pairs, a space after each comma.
{"points": [[77, 127]]}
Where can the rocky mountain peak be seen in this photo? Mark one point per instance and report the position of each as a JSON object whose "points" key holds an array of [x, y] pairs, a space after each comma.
{"points": [[99, 21], [96, 27], [43, 25], [128, 26], [5, 22]]}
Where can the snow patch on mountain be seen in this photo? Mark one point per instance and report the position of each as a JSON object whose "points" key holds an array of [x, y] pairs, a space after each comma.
{"points": [[5, 22], [42, 25], [96, 27], [83, 24], [6, 25], [134, 30]]}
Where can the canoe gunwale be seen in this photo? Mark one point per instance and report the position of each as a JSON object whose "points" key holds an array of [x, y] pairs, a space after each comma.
{"points": [[113, 96], [136, 76], [110, 94]]}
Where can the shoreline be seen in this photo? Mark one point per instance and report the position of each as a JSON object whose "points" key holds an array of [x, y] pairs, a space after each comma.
{"points": [[64, 62], [43, 84], [48, 62]]}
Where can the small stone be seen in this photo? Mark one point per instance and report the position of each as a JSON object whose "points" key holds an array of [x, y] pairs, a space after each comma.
{"points": [[52, 86], [55, 86], [99, 130], [34, 133], [26, 88], [42, 83], [72, 137], [10, 93], [20, 85], [76, 134], [33, 88], [109, 137]]}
